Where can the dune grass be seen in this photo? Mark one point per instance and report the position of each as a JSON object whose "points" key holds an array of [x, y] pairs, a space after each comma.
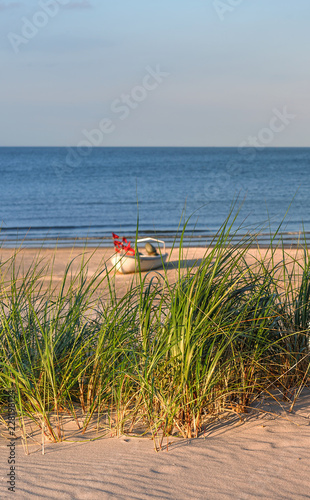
{"points": [[163, 359]]}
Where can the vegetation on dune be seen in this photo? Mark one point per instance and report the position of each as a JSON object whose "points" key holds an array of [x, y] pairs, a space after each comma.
{"points": [[165, 357]]}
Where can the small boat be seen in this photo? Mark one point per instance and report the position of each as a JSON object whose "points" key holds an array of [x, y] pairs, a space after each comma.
{"points": [[125, 263]]}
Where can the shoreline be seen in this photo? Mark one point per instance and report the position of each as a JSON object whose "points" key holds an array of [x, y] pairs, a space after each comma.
{"points": [[194, 238], [90, 244]]}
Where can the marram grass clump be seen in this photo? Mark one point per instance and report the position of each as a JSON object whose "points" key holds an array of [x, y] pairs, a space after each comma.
{"points": [[163, 359]]}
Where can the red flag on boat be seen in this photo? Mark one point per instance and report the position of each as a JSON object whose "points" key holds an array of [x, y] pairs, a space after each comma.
{"points": [[122, 245]]}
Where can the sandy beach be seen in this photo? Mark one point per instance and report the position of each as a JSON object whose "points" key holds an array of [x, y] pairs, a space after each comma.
{"points": [[265, 454], [97, 259], [264, 457]]}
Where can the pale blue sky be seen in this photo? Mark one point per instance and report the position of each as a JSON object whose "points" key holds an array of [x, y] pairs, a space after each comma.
{"points": [[226, 76]]}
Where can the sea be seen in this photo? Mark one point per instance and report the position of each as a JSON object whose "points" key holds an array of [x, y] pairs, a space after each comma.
{"points": [[73, 196]]}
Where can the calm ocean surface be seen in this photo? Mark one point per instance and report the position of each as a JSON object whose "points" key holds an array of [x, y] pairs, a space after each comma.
{"points": [[50, 195]]}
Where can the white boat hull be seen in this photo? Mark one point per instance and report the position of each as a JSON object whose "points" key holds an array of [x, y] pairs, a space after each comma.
{"points": [[127, 264]]}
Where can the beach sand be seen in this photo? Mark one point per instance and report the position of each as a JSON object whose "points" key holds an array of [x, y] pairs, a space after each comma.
{"points": [[265, 456], [98, 258]]}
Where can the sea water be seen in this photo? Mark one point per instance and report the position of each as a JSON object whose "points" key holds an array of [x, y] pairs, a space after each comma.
{"points": [[64, 196]]}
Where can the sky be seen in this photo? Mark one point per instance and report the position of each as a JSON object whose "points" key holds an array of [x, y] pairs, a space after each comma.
{"points": [[154, 72]]}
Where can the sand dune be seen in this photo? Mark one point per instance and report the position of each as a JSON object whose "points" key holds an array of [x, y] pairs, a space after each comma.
{"points": [[265, 457]]}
